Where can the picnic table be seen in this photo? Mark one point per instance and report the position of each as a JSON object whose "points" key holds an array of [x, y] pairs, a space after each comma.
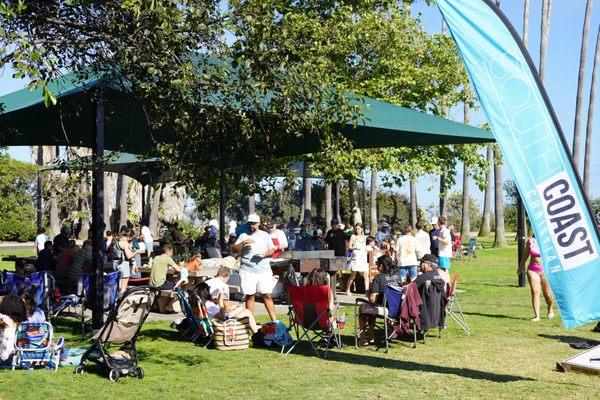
{"points": [[20, 261]]}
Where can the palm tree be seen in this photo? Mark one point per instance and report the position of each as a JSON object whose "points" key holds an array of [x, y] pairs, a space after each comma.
{"points": [[373, 205], [251, 204], [580, 87], [356, 215], [123, 185], [328, 205], [153, 220], [590, 119], [499, 233], [443, 203], [545, 31], [465, 224], [484, 229]]}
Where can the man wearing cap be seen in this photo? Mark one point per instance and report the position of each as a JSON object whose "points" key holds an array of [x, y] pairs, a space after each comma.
{"points": [[336, 239], [429, 269], [256, 249], [384, 235]]}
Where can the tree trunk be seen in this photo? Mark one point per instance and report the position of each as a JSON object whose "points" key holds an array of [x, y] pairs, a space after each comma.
{"points": [[328, 206], [443, 203], [356, 217], [153, 222], [580, 88], [413, 203], [545, 31], [149, 197], [590, 119], [373, 205], [251, 204], [499, 234], [307, 194], [123, 182], [484, 230], [85, 218], [465, 223], [525, 22]]}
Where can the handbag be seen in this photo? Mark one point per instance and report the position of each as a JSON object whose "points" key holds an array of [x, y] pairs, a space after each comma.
{"points": [[231, 334]]}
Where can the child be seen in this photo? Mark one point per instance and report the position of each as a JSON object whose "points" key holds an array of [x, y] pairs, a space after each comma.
{"points": [[220, 308], [12, 312], [34, 313], [194, 263], [183, 277], [371, 244]]}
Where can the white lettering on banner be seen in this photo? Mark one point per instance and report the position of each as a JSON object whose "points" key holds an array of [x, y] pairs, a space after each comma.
{"points": [[570, 234]]}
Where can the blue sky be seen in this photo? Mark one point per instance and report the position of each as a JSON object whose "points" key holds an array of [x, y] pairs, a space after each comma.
{"points": [[561, 76]]}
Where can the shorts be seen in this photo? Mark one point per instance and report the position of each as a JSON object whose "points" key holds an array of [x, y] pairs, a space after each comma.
{"points": [[412, 272], [373, 309], [444, 262], [252, 282], [124, 268], [149, 246], [167, 285]]}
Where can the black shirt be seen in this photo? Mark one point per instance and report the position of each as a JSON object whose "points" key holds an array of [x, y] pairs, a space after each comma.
{"points": [[379, 283], [336, 241], [434, 243], [61, 241]]}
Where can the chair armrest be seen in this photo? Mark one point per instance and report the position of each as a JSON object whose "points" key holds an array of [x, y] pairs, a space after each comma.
{"points": [[59, 343]]}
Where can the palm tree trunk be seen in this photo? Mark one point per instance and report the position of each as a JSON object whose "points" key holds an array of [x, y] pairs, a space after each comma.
{"points": [[328, 205], [465, 223], [251, 204], [443, 203], [545, 31], [499, 233], [413, 202], [590, 119], [307, 185], [525, 22], [580, 87], [123, 182], [484, 230], [153, 221], [373, 204], [356, 216]]}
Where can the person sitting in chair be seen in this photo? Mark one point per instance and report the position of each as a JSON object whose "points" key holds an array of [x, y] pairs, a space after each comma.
{"points": [[374, 307]]}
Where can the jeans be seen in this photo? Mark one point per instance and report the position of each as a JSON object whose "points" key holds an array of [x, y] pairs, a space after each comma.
{"points": [[412, 272]]}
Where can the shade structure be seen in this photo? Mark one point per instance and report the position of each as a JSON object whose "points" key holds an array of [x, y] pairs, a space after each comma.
{"points": [[147, 171], [25, 121]]}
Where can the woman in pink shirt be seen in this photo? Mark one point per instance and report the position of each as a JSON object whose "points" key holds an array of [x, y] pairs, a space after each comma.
{"points": [[537, 279]]}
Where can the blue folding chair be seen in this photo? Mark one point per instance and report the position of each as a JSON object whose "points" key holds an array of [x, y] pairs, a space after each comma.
{"points": [[195, 327], [37, 283], [110, 295], [392, 302]]}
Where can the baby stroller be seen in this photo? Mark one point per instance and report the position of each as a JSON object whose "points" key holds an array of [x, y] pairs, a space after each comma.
{"points": [[121, 327]]}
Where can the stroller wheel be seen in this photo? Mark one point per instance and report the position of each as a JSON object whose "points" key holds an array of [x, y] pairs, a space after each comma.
{"points": [[113, 375], [139, 372], [79, 370]]}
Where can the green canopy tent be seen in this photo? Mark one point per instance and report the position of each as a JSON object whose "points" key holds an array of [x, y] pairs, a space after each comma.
{"points": [[147, 171], [114, 121]]}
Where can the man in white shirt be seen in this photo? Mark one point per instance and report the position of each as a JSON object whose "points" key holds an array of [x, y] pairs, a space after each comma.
{"points": [[40, 240], [406, 251], [279, 239], [218, 285], [445, 244], [423, 240], [255, 249], [148, 239]]}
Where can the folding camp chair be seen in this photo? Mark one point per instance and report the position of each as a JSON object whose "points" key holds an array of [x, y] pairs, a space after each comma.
{"points": [[195, 326], [470, 251], [453, 304], [309, 312], [36, 282], [392, 300], [35, 345], [110, 296]]}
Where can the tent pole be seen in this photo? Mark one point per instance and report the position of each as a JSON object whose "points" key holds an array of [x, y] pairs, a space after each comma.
{"points": [[521, 235], [222, 212], [39, 205], [98, 213], [337, 201]]}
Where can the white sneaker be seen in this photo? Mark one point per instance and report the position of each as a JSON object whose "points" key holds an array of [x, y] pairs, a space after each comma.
{"points": [[536, 319], [551, 315]]}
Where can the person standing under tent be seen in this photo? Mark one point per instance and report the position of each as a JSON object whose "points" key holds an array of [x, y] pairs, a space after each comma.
{"points": [[444, 245], [537, 278], [279, 239], [406, 251], [256, 248], [360, 262], [423, 240], [148, 239], [383, 235]]}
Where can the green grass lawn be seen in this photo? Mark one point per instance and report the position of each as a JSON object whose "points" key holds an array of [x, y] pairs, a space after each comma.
{"points": [[10, 265], [507, 356]]}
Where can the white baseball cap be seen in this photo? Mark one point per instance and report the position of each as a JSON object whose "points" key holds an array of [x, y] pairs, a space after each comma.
{"points": [[214, 222], [434, 220], [254, 218]]}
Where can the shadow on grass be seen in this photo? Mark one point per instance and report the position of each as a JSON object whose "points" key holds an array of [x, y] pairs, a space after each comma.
{"points": [[477, 314], [166, 334], [564, 338]]}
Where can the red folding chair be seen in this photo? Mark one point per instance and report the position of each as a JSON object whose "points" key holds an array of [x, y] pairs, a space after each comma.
{"points": [[312, 318], [453, 308]]}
